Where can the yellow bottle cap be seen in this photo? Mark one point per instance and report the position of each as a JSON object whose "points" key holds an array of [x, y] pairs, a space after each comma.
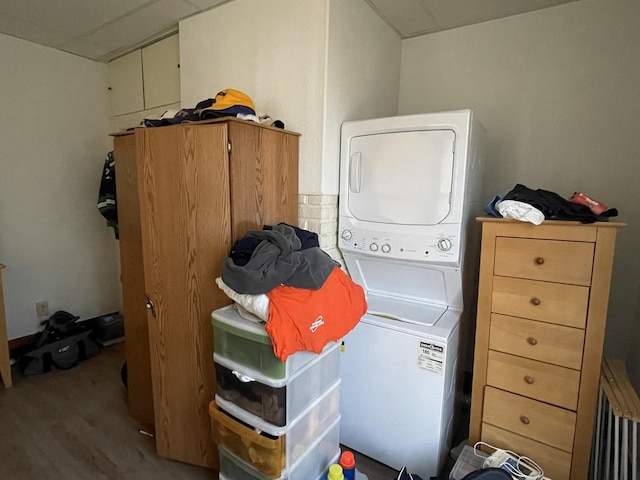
{"points": [[335, 472]]}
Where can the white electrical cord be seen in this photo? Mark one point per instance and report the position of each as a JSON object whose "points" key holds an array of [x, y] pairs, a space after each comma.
{"points": [[519, 467]]}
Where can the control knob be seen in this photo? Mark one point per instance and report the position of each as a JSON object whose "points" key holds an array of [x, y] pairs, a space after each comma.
{"points": [[373, 247], [346, 234], [444, 244], [386, 248]]}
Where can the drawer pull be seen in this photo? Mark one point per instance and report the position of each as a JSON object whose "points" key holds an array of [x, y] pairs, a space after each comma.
{"points": [[532, 341], [524, 420], [528, 379], [539, 260], [535, 301]]}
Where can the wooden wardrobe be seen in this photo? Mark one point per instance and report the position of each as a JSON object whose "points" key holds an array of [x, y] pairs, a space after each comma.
{"points": [[185, 194]]}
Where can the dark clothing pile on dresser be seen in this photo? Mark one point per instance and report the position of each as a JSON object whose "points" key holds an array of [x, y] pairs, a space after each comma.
{"points": [[554, 207]]}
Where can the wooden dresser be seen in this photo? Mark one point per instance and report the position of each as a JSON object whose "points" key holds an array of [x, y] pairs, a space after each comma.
{"points": [[5, 361], [542, 309]]}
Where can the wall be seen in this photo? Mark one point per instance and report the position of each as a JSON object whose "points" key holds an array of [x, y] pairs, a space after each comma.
{"points": [[362, 77], [362, 80], [275, 52], [55, 243], [311, 64], [558, 92]]}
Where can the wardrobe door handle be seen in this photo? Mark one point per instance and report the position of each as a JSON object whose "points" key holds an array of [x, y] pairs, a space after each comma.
{"points": [[539, 260], [524, 420], [535, 301], [528, 379], [151, 307], [532, 341]]}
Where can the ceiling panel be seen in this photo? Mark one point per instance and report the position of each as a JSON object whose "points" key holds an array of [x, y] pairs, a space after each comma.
{"points": [[86, 48], [30, 31], [143, 23], [407, 17], [206, 4], [456, 13], [70, 17], [105, 29]]}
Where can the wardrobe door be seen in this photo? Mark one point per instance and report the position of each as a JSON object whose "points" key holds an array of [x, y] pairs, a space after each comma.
{"points": [[139, 391], [184, 182], [264, 177]]}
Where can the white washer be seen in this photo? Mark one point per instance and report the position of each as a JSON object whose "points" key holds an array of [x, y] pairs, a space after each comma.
{"points": [[408, 192]]}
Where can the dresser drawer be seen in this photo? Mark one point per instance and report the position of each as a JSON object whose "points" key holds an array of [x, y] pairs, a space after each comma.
{"points": [[548, 260], [550, 302], [533, 379], [545, 342], [539, 421], [555, 463]]}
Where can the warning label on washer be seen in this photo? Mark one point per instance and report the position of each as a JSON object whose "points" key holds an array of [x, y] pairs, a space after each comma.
{"points": [[431, 357]]}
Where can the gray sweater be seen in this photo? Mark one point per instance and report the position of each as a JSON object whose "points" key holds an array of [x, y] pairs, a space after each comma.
{"points": [[278, 260]]}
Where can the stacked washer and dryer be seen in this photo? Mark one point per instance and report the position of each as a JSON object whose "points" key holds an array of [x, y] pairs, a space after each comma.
{"points": [[409, 191]]}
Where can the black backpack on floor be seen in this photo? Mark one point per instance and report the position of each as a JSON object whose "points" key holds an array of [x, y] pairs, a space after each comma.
{"points": [[63, 343]]}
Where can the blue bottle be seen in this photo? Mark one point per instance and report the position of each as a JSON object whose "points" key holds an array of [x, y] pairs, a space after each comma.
{"points": [[348, 464]]}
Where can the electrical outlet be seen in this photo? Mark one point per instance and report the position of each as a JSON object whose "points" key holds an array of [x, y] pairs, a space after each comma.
{"points": [[42, 308]]}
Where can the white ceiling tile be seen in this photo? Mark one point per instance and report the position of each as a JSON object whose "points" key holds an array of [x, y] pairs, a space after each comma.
{"points": [[114, 27], [142, 24], [456, 13], [71, 17], [409, 17], [85, 48], [207, 4], [31, 32]]}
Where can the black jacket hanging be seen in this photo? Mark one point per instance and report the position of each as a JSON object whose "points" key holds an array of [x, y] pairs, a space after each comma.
{"points": [[107, 195]]}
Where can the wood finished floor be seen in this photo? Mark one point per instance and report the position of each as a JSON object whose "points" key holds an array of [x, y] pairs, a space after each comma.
{"points": [[74, 425]]}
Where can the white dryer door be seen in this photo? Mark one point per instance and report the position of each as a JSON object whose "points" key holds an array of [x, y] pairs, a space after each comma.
{"points": [[401, 177]]}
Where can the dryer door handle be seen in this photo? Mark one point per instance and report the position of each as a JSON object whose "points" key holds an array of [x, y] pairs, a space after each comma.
{"points": [[355, 170]]}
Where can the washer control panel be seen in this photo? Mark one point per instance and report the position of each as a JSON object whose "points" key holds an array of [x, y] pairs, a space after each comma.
{"points": [[440, 243]]}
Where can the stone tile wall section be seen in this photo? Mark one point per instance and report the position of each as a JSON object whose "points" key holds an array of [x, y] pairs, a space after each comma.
{"points": [[319, 214]]}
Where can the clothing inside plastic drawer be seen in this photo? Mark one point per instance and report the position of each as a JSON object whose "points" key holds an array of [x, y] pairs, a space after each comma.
{"points": [[312, 464], [277, 401], [263, 400], [260, 449], [266, 447]]}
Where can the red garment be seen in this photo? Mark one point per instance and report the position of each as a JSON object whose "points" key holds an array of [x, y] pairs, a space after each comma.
{"points": [[303, 319]]}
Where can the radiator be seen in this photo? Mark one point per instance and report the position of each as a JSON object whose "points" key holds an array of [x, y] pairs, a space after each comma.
{"points": [[615, 445]]}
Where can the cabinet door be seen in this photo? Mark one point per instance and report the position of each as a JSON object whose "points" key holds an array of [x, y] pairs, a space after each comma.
{"points": [[125, 84], [140, 395], [184, 199], [161, 63], [264, 177]]}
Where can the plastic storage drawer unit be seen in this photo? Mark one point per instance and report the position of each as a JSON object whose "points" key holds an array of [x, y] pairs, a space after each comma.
{"points": [[312, 464], [267, 448], [247, 343], [467, 462], [277, 401]]}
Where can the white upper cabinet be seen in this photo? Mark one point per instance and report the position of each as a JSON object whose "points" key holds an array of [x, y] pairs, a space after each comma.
{"points": [[146, 78], [125, 84], [161, 67]]}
